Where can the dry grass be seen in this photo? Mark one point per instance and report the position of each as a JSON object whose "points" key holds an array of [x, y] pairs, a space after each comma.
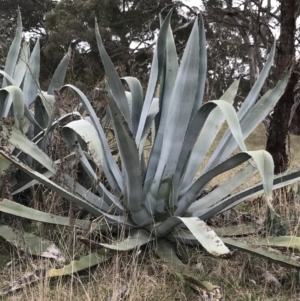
{"points": [[141, 276], [243, 278]]}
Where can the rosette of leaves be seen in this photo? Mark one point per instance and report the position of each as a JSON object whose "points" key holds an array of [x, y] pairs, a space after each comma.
{"points": [[24, 105], [159, 199]]}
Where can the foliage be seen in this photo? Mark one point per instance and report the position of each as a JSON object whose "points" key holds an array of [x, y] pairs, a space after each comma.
{"points": [[122, 22], [159, 199], [21, 98], [33, 13]]}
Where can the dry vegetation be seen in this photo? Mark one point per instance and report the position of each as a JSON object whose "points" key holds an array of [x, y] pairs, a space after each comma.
{"points": [[139, 275]]}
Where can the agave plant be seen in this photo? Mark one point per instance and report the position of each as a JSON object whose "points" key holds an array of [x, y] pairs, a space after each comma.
{"points": [[25, 107], [159, 198], [21, 95]]}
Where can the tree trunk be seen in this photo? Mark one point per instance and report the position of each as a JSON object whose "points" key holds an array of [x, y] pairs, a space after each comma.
{"points": [[294, 127], [276, 143]]}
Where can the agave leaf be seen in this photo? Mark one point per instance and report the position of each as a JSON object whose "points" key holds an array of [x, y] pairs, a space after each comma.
{"points": [[129, 100], [266, 253], [15, 97], [3, 97], [10, 80], [49, 110], [137, 101], [109, 160], [281, 180], [115, 83], [153, 111], [30, 117], [31, 80], [48, 103], [204, 234], [17, 139], [8, 96], [111, 199], [235, 230], [17, 209], [82, 264], [224, 189], [42, 118], [254, 93], [208, 134], [72, 139], [108, 198], [87, 194], [165, 250], [14, 51], [186, 237], [64, 193], [179, 113], [131, 166], [190, 196], [263, 106], [110, 97], [249, 247], [59, 75], [135, 239], [71, 268], [107, 202], [55, 113], [156, 69], [191, 136], [28, 147], [166, 89], [262, 160], [31, 244], [83, 158], [289, 242], [202, 68], [193, 131], [250, 121], [4, 165], [88, 133], [41, 134], [21, 66]]}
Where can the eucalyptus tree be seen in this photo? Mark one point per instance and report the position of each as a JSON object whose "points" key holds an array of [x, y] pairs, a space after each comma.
{"points": [[279, 126]]}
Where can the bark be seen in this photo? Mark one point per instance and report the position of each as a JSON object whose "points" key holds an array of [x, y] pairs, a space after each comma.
{"points": [[294, 127], [276, 143], [252, 54]]}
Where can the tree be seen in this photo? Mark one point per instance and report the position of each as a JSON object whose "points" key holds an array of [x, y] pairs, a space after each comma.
{"points": [[276, 143], [33, 12], [254, 21], [245, 27], [128, 29]]}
